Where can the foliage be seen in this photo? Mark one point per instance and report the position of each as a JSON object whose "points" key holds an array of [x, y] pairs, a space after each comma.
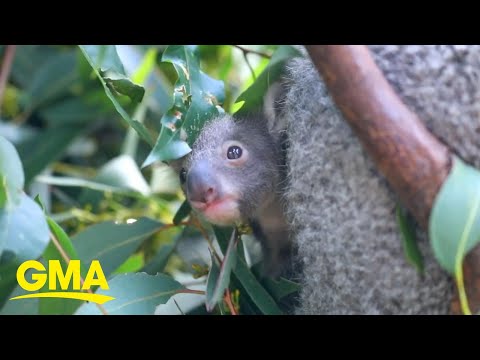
{"points": [[71, 122]]}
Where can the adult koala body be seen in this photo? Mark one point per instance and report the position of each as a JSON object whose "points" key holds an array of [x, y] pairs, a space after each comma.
{"points": [[342, 211]]}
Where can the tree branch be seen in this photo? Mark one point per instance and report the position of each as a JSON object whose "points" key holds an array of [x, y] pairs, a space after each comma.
{"points": [[5, 69], [66, 258], [413, 161]]}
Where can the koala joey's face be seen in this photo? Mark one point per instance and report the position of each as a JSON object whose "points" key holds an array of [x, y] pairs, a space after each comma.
{"points": [[231, 171]]}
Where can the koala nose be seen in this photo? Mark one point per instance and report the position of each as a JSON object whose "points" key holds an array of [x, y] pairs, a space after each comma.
{"points": [[202, 186]]}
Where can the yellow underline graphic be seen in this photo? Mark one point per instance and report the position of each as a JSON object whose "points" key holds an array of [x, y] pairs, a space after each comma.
{"points": [[96, 298]]}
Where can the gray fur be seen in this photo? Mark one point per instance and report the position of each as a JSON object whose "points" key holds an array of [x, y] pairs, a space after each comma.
{"points": [[343, 213]]}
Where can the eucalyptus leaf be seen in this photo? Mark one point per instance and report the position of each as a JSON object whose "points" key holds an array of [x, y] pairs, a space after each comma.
{"points": [[135, 294], [409, 240], [11, 176], [196, 100], [133, 264], [120, 84], [219, 276], [104, 57], [95, 59], [28, 60], [182, 212], [260, 297], [24, 307], [24, 234], [45, 148], [254, 95], [159, 261], [113, 243], [53, 80], [121, 172], [454, 225]]}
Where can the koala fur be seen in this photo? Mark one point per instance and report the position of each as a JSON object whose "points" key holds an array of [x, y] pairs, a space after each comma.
{"points": [[342, 211]]}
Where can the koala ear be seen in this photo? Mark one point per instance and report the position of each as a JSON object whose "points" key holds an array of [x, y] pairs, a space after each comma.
{"points": [[273, 107]]}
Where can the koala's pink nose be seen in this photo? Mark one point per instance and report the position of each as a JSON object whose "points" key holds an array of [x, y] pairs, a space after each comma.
{"points": [[201, 185], [210, 195]]}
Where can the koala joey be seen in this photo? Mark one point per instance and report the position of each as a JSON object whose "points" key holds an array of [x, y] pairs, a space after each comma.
{"points": [[235, 175]]}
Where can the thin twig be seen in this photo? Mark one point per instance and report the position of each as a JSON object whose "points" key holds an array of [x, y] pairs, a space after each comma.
{"points": [[250, 51], [178, 307], [67, 260], [5, 69], [196, 223], [249, 66], [228, 300]]}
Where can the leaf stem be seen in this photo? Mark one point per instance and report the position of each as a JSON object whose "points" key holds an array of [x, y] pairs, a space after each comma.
{"points": [[5, 69], [190, 291], [67, 260], [228, 300], [250, 51]]}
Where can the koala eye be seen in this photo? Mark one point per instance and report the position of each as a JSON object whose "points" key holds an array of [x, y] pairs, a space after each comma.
{"points": [[234, 152], [183, 176]]}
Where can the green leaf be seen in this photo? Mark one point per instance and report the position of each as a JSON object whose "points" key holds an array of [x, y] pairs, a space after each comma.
{"points": [[280, 288], [182, 213], [39, 202], [52, 80], [133, 264], [121, 172], [219, 276], [254, 95], [25, 229], [28, 59], [24, 234], [196, 100], [76, 110], [3, 195], [223, 235], [146, 67], [64, 241], [277, 288], [120, 84], [48, 146], [135, 294], [261, 298], [59, 306], [11, 176], [159, 261], [24, 307], [113, 243], [454, 225], [103, 57], [93, 61], [409, 240]]}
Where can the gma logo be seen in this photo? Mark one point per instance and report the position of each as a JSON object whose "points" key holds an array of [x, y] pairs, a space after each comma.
{"points": [[94, 277]]}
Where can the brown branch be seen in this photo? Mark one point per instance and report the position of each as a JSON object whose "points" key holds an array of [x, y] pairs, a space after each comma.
{"points": [[66, 258], [5, 69], [250, 51], [229, 302], [413, 161]]}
